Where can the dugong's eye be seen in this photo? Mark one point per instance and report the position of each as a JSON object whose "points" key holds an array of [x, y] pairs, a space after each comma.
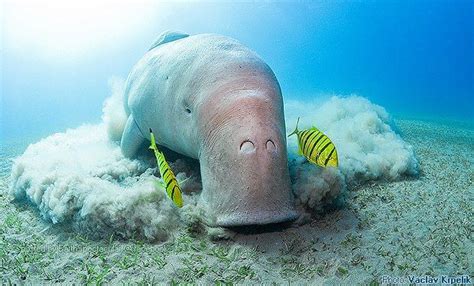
{"points": [[188, 111]]}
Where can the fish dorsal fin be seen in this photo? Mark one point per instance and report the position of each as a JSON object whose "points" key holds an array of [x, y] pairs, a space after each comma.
{"points": [[168, 36]]}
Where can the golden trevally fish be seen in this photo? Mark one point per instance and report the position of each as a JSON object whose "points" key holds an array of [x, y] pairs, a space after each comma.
{"points": [[316, 147], [170, 183]]}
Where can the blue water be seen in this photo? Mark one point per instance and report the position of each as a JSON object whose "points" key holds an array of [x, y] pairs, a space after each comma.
{"points": [[415, 58]]}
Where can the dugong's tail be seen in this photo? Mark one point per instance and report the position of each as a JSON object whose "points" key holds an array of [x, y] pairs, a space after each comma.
{"points": [[113, 111]]}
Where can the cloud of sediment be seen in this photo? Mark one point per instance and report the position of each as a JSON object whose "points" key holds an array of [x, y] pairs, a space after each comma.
{"points": [[367, 145], [113, 111], [80, 177]]}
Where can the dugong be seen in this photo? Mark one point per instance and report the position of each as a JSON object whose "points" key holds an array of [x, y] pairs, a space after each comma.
{"points": [[210, 98]]}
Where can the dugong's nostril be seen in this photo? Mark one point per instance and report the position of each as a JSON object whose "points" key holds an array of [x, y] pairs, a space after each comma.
{"points": [[247, 146], [271, 146]]}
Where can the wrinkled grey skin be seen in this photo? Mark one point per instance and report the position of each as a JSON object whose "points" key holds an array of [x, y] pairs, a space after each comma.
{"points": [[210, 98]]}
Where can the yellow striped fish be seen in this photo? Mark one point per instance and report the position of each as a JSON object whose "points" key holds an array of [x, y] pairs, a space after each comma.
{"points": [[316, 147], [170, 183]]}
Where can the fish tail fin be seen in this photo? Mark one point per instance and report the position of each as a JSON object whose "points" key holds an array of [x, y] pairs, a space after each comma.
{"points": [[296, 129], [178, 198]]}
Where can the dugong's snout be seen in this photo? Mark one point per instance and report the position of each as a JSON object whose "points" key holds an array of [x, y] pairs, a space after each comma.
{"points": [[245, 171]]}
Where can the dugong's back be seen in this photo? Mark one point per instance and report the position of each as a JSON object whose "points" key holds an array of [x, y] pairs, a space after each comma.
{"points": [[174, 78]]}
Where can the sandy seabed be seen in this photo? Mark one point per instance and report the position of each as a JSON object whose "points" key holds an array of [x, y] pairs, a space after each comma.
{"points": [[416, 225]]}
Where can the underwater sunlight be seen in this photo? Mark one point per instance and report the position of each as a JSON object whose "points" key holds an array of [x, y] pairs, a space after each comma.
{"points": [[255, 142]]}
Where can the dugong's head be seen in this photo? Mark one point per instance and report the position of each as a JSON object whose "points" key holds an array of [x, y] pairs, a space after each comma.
{"points": [[243, 153], [211, 98]]}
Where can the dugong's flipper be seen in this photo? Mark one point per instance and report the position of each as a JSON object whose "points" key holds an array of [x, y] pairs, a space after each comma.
{"points": [[167, 37], [132, 138]]}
